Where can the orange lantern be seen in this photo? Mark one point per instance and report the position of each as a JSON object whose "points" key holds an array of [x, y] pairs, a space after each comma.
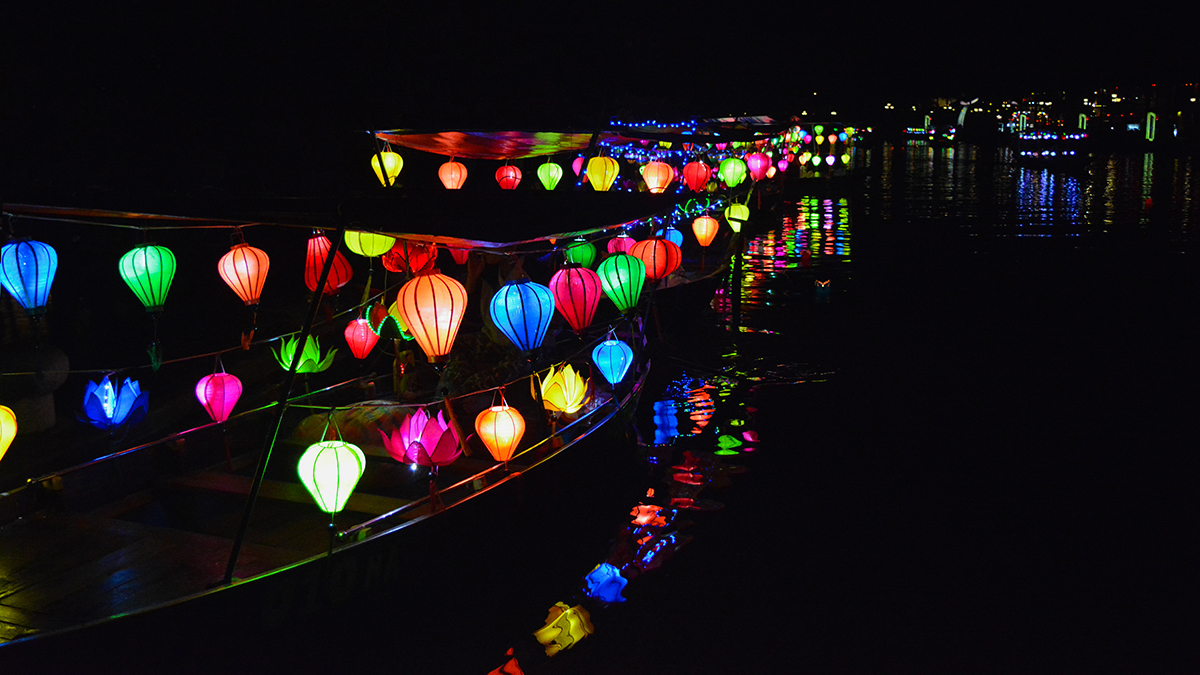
{"points": [[244, 269], [318, 251], [431, 306], [452, 174], [406, 256], [661, 257], [602, 172], [658, 175], [500, 427], [508, 176], [705, 228]]}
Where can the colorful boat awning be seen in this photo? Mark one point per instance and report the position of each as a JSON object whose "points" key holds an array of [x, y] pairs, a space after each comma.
{"points": [[500, 145]]}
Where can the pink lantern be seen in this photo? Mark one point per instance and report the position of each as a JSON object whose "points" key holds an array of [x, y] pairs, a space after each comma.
{"points": [[577, 165], [577, 292], [757, 163], [508, 176], [360, 337], [460, 255], [783, 164], [421, 439], [696, 175], [620, 243], [218, 393]]}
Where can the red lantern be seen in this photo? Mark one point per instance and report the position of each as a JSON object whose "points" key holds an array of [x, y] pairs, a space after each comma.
{"points": [[452, 174], [432, 306], [758, 163], [658, 175], [577, 292], [244, 269], [705, 228], [360, 337], [620, 243], [460, 255], [218, 393], [409, 255], [696, 175], [508, 176], [661, 257], [339, 274]]}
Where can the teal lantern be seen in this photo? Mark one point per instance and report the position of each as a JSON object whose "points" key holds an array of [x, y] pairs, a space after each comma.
{"points": [[613, 357], [27, 270], [522, 311], [329, 471], [622, 276], [149, 270], [549, 174], [581, 251], [732, 171]]}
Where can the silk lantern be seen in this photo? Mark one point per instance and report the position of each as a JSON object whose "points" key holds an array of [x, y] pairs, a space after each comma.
{"points": [[218, 393], [620, 243], [522, 310], [460, 255], [369, 244], [671, 234], [696, 175], [602, 173], [329, 471], [500, 427], [549, 174], [360, 337], [392, 164], [613, 357], [705, 228], [244, 269], [732, 171], [508, 176], [339, 274], [757, 164], [431, 305], [622, 276], [8, 429], [564, 390], [452, 174], [420, 439], [577, 292], [581, 251], [409, 256], [27, 270], [737, 215], [658, 175], [148, 271], [108, 407], [661, 257], [577, 165]]}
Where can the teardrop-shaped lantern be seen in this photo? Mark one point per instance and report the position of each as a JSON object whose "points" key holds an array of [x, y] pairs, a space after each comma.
{"points": [[460, 255], [705, 228], [672, 235], [508, 176], [244, 269], [580, 251], [392, 164], [218, 393], [452, 174], [661, 257], [500, 427], [733, 171], [757, 163], [658, 175], [360, 337], [330, 470], [27, 270], [621, 243], [318, 251], [406, 256], [696, 175], [613, 357], [622, 277], [737, 215], [577, 292], [549, 174], [522, 310], [8, 429], [602, 172], [148, 271], [432, 306], [369, 244]]}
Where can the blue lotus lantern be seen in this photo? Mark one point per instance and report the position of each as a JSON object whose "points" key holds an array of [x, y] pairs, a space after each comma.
{"points": [[522, 310], [605, 583], [27, 270], [613, 357], [671, 234], [108, 408]]}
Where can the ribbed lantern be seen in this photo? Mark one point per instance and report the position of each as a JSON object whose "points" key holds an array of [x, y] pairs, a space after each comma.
{"points": [[369, 244], [452, 174], [757, 163], [577, 165], [580, 251], [244, 269], [392, 163], [148, 271], [671, 234], [737, 215], [360, 337], [522, 311], [696, 175], [460, 255], [705, 228], [409, 256], [318, 251], [330, 470], [622, 277], [732, 171], [577, 292], [658, 175], [613, 357], [508, 176], [661, 257], [218, 393], [549, 174], [432, 305], [8, 429], [500, 427], [602, 172], [621, 243], [27, 270]]}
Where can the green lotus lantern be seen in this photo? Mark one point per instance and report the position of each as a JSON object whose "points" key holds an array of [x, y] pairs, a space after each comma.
{"points": [[733, 171], [581, 251], [622, 276], [329, 471], [310, 357], [149, 270], [549, 174]]}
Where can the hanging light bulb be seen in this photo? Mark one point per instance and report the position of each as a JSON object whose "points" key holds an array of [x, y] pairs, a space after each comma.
{"points": [[508, 176], [148, 271]]}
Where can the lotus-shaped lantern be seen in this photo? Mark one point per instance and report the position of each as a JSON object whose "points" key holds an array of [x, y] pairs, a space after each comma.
{"points": [[107, 408], [421, 439], [564, 391], [310, 357]]}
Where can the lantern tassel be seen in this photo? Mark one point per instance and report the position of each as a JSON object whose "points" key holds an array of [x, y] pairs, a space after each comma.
{"points": [[155, 354]]}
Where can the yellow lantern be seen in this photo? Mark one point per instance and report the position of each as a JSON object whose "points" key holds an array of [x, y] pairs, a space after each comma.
{"points": [[369, 244], [564, 391], [736, 215], [392, 163], [602, 172], [8, 428], [564, 627]]}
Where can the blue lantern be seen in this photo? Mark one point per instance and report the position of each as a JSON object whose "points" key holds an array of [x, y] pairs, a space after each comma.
{"points": [[613, 358], [27, 270], [522, 310], [107, 408], [672, 235], [605, 583]]}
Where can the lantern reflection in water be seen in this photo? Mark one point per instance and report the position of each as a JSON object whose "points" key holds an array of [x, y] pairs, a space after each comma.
{"points": [[565, 626]]}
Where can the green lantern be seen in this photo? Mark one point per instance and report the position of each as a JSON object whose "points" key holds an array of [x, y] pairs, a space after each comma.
{"points": [[737, 215], [581, 251], [330, 470], [310, 356], [549, 173], [733, 171], [622, 276], [149, 270]]}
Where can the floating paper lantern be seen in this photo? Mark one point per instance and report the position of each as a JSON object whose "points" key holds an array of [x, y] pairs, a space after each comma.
{"points": [[369, 244], [329, 471], [658, 175], [500, 427], [670, 234], [392, 164], [339, 274], [452, 174], [549, 174], [564, 627], [705, 229], [732, 171], [622, 276], [605, 583], [581, 252], [108, 408], [564, 391], [508, 176], [8, 429], [522, 311], [577, 292], [360, 337], [621, 243], [431, 305], [602, 172], [661, 257], [409, 256], [424, 440], [613, 357], [737, 215], [696, 175], [27, 270], [148, 271], [310, 356], [757, 164], [244, 269], [218, 393]]}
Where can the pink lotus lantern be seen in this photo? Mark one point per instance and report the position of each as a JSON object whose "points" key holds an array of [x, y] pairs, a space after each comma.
{"points": [[757, 163], [218, 393], [421, 439], [360, 337]]}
